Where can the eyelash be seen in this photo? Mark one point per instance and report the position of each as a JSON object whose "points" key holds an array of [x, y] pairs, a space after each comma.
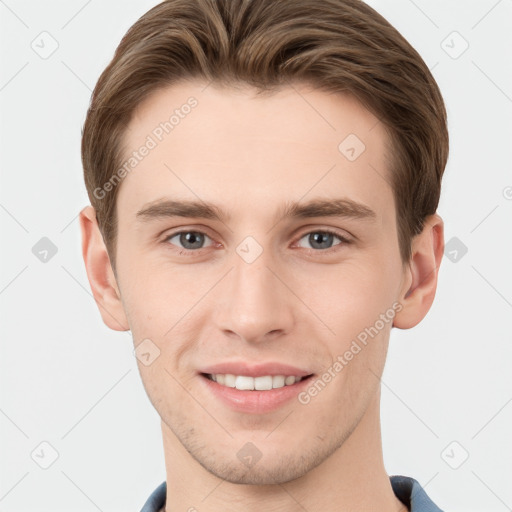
{"points": [[344, 241]]}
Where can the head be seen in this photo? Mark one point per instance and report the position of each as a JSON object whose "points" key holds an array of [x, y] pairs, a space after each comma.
{"points": [[267, 115]]}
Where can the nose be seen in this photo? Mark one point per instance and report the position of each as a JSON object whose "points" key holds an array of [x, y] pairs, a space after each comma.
{"points": [[256, 304]]}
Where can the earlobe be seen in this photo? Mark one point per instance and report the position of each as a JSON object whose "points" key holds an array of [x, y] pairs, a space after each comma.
{"points": [[420, 288], [100, 274]]}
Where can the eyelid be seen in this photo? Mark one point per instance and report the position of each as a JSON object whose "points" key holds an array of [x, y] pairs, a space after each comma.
{"points": [[201, 231], [345, 240], [344, 235]]}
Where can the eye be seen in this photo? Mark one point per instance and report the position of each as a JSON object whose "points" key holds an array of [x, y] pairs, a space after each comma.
{"points": [[322, 239], [193, 241], [189, 240]]}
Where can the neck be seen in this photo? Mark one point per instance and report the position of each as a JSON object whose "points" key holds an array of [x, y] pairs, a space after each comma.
{"points": [[352, 479]]}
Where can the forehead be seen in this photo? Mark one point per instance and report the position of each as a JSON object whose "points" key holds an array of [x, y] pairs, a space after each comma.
{"points": [[231, 146]]}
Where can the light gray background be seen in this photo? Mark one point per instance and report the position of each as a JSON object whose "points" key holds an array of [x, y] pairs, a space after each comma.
{"points": [[69, 381]]}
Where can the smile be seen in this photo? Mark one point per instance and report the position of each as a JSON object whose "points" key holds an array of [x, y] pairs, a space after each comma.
{"points": [[246, 383]]}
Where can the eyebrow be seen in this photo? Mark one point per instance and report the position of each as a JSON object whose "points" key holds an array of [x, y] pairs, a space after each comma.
{"points": [[344, 208]]}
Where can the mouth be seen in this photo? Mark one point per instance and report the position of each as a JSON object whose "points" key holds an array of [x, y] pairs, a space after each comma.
{"points": [[248, 383], [254, 395], [254, 387]]}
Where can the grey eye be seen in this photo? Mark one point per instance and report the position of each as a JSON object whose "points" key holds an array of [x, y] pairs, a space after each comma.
{"points": [[321, 239], [189, 240]]}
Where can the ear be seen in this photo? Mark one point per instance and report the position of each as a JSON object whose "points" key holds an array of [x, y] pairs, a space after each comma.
{"points": [[420, 283], [99, 271]]}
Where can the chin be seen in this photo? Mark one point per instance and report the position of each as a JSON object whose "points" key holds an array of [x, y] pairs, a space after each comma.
{"points": [[277, 470]]}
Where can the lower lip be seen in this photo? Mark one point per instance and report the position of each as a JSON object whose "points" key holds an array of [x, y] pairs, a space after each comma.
{"points": [[253, 401]]}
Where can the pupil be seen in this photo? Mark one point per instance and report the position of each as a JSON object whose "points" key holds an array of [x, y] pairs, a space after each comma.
{"points": [[191, 238], [319, 237]]}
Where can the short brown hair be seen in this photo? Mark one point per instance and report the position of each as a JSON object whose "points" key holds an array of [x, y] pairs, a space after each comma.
{"points": [[334, 45]]}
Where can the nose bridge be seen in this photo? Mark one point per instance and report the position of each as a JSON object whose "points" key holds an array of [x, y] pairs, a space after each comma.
{"points": [[256, 302]]}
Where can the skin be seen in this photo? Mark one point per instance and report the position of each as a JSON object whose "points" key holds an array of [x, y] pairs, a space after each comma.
{"points": [[295, 304]]}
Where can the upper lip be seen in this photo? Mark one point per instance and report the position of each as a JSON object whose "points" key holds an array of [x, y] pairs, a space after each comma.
{"points": [[254, 369]]}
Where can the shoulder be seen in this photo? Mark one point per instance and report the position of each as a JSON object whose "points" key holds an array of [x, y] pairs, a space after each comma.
{"points": [[410, 493], [156, 500]]}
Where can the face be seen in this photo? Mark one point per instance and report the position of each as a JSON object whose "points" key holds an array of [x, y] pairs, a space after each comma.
{"points": [[252, 284]]}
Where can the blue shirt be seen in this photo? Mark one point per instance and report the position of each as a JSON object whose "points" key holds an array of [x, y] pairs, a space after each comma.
{"points": [[406, 489]]}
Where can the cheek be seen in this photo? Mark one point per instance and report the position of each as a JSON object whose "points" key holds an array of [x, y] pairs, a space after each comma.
{"points": [[161, 303], [355, 300], [349, 296], [153, 297]]}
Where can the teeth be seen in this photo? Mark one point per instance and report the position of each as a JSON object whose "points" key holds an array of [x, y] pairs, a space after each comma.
{"points": [[229, 380], [278, 381], [264, 383], [244, 382]]}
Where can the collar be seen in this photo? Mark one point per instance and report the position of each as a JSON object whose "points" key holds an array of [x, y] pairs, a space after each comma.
{"points": [[407, 490]]}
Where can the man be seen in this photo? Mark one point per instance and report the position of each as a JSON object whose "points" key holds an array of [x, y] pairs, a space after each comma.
{"points": [[264, 178]]}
